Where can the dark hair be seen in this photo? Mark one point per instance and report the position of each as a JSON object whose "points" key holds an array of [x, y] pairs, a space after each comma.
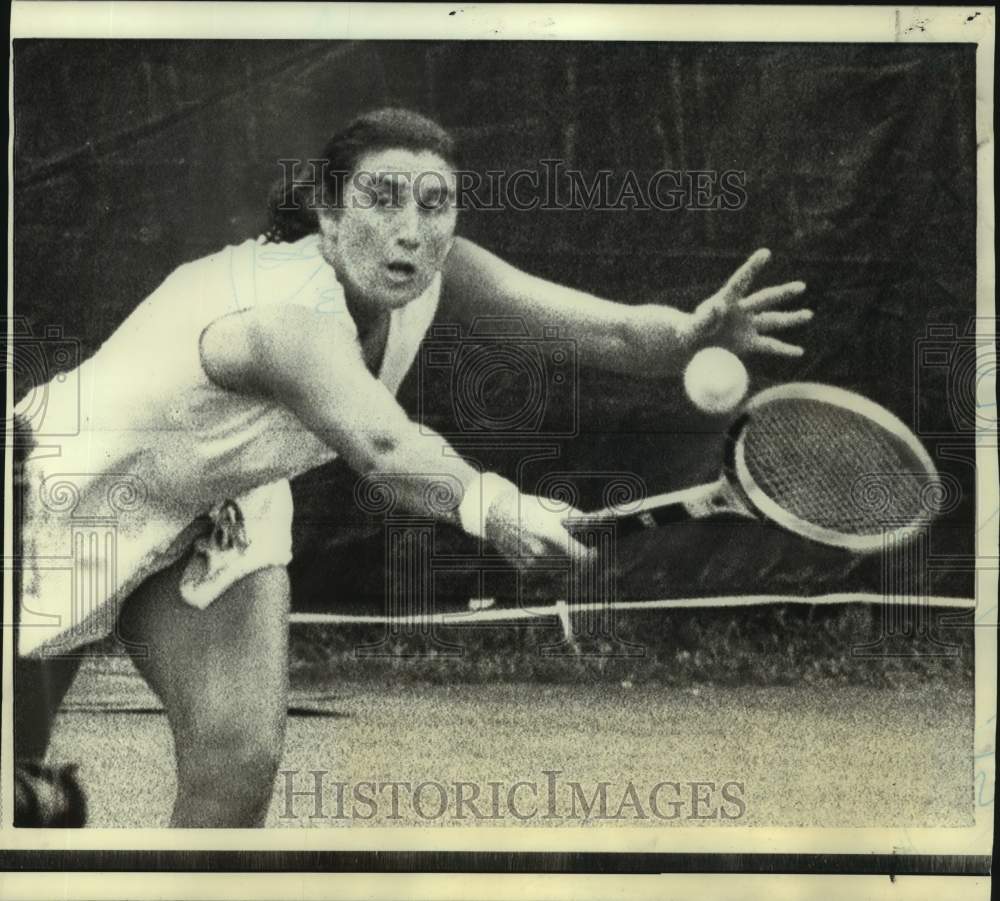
{"points": [[291, 206]]}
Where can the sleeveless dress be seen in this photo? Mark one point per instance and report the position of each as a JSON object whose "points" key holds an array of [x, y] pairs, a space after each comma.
{"points": [[164, 460]]}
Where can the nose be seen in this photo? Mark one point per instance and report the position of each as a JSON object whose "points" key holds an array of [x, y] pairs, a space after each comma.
{"points": [[408, 234]]}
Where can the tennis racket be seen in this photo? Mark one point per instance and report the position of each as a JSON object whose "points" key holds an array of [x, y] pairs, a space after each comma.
{"points": [[819, 461]]}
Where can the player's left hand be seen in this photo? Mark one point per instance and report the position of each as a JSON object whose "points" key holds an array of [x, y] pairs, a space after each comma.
{"points": [[742, 321]]}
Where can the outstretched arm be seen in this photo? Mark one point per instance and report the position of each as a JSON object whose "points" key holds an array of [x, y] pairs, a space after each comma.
{"points": [[646, 340], [307, 362]]}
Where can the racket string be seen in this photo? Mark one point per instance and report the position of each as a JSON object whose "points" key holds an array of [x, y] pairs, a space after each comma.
{"points": [[834, 467]]}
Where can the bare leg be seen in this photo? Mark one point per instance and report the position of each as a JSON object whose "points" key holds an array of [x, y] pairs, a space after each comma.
{"points": [[222, 674]]}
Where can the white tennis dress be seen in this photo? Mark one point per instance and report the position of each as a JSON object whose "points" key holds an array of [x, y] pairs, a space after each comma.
{"points": [[159, 446]]}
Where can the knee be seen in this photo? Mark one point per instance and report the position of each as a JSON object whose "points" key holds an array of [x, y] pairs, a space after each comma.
{"points": [[234, 766], [252, 758]]}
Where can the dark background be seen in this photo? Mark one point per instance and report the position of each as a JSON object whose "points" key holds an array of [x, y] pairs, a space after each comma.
{"points": [[132, 157]]}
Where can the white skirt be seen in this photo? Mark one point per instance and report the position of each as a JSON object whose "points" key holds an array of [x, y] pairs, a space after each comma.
{"points": [[76, 571]]}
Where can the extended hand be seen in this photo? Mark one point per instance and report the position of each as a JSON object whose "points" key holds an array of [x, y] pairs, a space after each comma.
{"points": [[525, 528], [742, 322]]}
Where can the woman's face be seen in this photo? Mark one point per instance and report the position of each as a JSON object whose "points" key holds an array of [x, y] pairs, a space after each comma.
{"points": [[395, 229]]}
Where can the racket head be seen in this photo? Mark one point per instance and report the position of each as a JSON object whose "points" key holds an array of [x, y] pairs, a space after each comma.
{"points": [[832, 466]]}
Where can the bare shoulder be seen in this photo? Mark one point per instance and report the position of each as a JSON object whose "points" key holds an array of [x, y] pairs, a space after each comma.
{"points": [[463, 256], [241, 350], [473, 276], [225, 346]]}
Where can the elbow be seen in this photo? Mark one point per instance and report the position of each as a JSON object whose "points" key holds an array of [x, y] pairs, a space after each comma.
{"points": [[384, 445], [375, 453]]}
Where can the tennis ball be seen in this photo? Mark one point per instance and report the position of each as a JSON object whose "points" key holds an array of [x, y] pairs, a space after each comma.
{"points": [[715, 380]]}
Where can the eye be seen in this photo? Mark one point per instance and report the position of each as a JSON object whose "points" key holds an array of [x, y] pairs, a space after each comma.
{"points": [[435, 202]]}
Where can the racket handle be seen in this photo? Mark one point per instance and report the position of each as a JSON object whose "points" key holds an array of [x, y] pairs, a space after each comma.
{"points": [[633, 523], [711, 500]]}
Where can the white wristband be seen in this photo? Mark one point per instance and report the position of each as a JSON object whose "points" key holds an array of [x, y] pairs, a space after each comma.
{"points": [[480, 494]]}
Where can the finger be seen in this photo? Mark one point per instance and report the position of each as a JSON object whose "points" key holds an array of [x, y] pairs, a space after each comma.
{"points": [[562, 542], [571, 546], [540, 537], [548, 547], [741, 280], [769, 322], [536, 547], [769, 297], [580, 550], [524, 559], [768, 345], [550, 528]]}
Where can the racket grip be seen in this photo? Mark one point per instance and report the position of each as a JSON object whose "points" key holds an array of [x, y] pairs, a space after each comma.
{"points": [[634, 523], [651, 519], [715, 499]]}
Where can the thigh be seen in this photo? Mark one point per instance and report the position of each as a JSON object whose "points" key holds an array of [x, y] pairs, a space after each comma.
{"points": [[219, 670]]}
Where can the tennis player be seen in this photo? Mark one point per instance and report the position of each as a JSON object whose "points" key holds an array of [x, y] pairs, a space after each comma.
{"points": [[251, 366]]}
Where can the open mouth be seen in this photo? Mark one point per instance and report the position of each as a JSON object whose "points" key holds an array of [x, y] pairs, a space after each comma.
{"points": [[401, 271]]}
